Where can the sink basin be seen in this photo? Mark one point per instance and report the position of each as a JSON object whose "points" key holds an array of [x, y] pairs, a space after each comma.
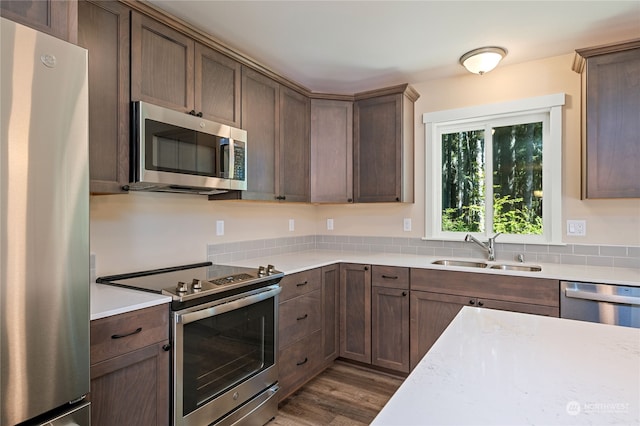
{"points": [[466, 263], [527, 268]]}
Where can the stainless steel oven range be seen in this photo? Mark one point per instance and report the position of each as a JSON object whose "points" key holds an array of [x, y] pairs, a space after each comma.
{"points": [[224, 340]]}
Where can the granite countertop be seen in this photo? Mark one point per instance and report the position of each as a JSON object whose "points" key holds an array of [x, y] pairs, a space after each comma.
{"points": [[107, 300], [495, 367]]}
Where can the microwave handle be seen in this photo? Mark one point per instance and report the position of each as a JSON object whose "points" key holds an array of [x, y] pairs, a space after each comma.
{"points": [[188, 317]]}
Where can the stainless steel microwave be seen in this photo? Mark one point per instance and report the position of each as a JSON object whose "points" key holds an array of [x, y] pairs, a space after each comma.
{"points": [[177, 152]]}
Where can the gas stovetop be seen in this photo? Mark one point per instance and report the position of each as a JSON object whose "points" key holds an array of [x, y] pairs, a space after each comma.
{"points": [[200, 280]]}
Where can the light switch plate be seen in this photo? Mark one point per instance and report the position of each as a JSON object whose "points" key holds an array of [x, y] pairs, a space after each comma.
{"points": [[330, 224], [219, 227], [577, 228], [407, 224]]}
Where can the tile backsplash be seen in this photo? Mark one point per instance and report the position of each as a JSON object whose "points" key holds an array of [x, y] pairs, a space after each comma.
{"points": [[574, 254]]}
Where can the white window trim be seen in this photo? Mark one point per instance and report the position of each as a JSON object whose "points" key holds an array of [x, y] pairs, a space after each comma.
{"points": [[551, 154]]}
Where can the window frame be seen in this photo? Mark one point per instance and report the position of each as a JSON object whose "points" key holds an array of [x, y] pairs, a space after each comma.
{"points": [[549, 106]]}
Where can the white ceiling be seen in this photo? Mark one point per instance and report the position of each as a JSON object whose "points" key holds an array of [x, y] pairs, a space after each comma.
{"points": [[353, 46]]}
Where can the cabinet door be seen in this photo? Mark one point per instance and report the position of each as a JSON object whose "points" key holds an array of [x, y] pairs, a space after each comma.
{"points": [[217, 86], [378, 149], [103, 29], [161, 64], [612, 110], [330, 313], [431, 313], [53, 17], [293, 166], [260, 117], [355, 312], [331, 151], [390, 328], [132, 389]]}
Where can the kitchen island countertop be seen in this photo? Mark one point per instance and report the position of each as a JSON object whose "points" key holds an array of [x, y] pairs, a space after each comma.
{"points": [[496, 367]]}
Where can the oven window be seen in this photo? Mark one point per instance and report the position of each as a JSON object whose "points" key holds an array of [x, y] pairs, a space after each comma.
{"points": [[175, 149], [225, 350]]}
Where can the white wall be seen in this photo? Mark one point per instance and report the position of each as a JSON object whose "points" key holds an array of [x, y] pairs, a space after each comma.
{"points": [[145, 230]]}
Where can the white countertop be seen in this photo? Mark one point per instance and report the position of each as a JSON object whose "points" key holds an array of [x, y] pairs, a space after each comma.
{"points": [[295, 262], [495, 367], [107, 300]]}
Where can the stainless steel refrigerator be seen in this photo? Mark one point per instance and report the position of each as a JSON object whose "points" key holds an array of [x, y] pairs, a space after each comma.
{"points": [[44, 225]]}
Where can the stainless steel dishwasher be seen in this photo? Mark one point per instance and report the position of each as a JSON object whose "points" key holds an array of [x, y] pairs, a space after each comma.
{"points": [[603, 303]]}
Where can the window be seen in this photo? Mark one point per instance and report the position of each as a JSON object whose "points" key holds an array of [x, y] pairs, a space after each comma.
{"points": [[496, 168]]}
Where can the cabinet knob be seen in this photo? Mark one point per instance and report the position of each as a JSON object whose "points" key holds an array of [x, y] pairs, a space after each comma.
{"points": [[199, 114], [480, 303], [349, 200], [397, 198], [366, 268], [166, 347], [404, 293], [472, 302], [192, 112]]}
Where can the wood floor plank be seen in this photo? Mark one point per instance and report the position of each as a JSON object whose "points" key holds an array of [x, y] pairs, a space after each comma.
{"points": [[343, 395]]}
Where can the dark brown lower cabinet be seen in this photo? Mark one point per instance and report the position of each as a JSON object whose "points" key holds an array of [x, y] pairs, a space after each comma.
{"points": [[390, 328], [132, 388], [355, 312], [437, 296], [330, 313], [130, 368]]}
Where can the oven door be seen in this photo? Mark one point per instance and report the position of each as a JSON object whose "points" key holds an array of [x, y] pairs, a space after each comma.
{"points": [[224, 356]]}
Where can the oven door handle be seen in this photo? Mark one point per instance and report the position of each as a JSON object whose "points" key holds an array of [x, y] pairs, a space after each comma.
{"points": [[601, 297], [222, 308]]}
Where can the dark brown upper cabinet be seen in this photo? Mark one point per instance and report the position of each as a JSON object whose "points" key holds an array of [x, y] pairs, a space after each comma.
{"points": [[331, 151], [170, 69], [611, 128], [383, 145], [54, 17], [276, 119], [103, 29]]}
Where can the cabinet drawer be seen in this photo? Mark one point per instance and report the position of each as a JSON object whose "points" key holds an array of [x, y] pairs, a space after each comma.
{"points": [[119, 334], [390, 276], [300, 283], [299, 317], [298, 363]]}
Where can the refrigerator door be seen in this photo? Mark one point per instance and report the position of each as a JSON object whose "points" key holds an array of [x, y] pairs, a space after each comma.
{"points": [[44, 224]]}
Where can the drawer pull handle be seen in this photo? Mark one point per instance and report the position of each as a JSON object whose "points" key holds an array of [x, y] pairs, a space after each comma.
{"points": [[120, 336], [390, 277], [302, 317], [301, 284], [303, 362]]}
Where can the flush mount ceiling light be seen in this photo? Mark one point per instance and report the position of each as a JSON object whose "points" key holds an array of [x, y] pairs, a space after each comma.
{"points": [[482, 60]]}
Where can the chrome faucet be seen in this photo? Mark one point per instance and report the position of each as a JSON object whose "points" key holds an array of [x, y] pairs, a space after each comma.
{"points": [[489, 246]]}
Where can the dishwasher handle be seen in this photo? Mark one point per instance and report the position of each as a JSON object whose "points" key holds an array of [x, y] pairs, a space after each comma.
{"points": [[600, 297]]}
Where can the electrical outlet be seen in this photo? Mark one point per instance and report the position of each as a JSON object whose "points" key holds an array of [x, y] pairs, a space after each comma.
{"points": [[330, 224], [219, 227], [577, 228], [407, 224], [292, 225]]}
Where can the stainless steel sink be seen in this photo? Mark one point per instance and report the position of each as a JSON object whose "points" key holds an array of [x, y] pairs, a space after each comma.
{"points": [[480, 264], [465, 263], [526, 268]]}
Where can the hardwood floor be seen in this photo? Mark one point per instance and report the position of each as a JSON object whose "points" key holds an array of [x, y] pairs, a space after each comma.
{"points": [[344, 394]]}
